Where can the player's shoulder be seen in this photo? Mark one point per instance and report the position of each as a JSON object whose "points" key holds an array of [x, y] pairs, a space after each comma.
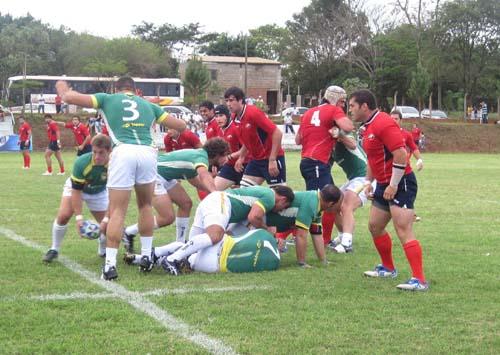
{"points": [[83, 160]]}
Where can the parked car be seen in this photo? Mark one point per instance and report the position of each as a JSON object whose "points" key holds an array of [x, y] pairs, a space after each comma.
{"points": [[177, 111], [294, 110], [436, 114], [407, 111]]}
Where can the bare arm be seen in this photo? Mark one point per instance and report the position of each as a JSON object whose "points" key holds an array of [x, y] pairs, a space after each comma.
{"points": [[276, 139], [301, 245], [206, 179], [344, 124], [76, 204], [174, 123], [73, 97], [298, 137], [348, 141], [256, 216]]}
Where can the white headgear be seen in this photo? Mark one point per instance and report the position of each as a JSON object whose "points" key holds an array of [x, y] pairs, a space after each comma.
{"points": [[334, 93]]}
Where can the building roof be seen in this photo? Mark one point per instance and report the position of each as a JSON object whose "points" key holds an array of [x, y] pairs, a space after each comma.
{"points": [[237, 60]]}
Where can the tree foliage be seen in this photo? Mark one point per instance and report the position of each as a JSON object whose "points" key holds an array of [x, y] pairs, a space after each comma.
{"points": [[196, 80]]}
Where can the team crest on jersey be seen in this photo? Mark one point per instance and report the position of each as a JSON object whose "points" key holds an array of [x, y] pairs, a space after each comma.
{"points": [[371, 136], [248, 125], [104, 176], [230, 136]]}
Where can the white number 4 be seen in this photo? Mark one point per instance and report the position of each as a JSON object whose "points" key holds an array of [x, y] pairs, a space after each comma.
{"points": [[315, 119]]}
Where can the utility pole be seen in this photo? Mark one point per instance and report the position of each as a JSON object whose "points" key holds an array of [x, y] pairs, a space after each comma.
{"points": [[246, 64]]}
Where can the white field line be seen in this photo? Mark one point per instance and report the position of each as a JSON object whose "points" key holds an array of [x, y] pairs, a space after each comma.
{"points": [[156, 292], [135, 300]]}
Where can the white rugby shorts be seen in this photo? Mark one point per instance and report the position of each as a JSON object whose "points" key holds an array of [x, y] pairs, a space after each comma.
{"points": [[95, 202], [131, 165]]}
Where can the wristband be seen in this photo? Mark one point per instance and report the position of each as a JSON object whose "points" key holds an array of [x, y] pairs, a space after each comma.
{"points": [[398, 172], [105, 220], [420, 161], [79, 217]]}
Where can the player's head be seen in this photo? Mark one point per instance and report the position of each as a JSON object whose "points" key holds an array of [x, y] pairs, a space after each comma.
{"points": [[397, 116], [172, 133], [101, 149], [75, 120], [125, 83], [335, 95], [235, 99], [283, 197], [21, 119], [222, 115], [361, 104], [217, 150], [47, 117], [207, 110], [331, 198]]}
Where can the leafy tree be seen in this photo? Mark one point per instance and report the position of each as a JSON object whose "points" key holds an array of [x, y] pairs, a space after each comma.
{"points": [[420, 85], [196, 81], [352, 84], [226, 45], [272, 41]]}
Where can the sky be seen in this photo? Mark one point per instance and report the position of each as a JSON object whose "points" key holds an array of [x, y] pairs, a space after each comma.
{"points": [[112, 19]]}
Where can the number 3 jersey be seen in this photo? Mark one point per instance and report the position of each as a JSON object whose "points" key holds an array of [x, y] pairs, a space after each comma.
{"points": [[317, 142], [129, 118]]}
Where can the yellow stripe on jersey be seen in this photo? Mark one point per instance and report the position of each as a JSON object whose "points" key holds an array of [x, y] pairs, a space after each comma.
{"points": [[258, 203], [81, 181], [87, 169], [227, 246], [301, 225], [162, 118], [197, 165], [222, 204], [95, 104]]}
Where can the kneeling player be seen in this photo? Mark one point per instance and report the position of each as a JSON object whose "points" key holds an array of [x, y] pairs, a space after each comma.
{"points": [[254, 251], [87, 183]]}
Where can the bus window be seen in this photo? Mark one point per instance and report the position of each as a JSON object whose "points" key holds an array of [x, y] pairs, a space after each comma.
{"points": [[147, 89], [170, 89]]}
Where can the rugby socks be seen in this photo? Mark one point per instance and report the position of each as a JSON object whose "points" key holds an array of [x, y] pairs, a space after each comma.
{"points": [[27, 161], [383, 243], [181, 226], [134, 228], [168, 249], [197, 243], [413, 253], [49, 169], [146, 245], [346, 239], [327, 222], [61, 168], [58, 233], [102, 245], [110, 258]]}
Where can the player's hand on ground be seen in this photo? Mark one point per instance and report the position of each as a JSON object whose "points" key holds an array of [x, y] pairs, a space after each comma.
{"points": [[273, 168], [390, 192]]}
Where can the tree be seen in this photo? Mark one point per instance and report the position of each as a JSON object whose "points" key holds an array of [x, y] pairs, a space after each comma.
{"points": [[272, 41], [226, 45], [420, 85], [196, 80]]}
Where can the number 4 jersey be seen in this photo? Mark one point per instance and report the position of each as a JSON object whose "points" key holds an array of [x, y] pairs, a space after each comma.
{"points": [[317, 142], [129, 118]]}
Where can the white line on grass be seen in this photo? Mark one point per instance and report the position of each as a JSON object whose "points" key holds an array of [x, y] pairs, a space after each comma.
{"points": [[156, 292], [134, 299]]}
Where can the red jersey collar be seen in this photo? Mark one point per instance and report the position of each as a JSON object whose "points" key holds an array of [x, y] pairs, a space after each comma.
{"points": [[372, 117]]}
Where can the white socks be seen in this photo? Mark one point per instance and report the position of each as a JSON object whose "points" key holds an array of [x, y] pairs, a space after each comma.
{"points": [[198, 242], [146, 245], [346, 239], [134, 228], [181, 227], [168, 249], [101, 250], [58, 233], [110, 258]]}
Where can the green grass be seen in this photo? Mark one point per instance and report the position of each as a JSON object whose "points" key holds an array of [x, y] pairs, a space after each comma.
{"points": [[331, 309]]}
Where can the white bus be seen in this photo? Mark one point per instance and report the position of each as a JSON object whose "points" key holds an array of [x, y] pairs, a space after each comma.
{"points": [[163, 91]]}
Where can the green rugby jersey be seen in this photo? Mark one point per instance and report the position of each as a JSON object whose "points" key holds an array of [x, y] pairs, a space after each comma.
{"points": [[89, 177], [242, 200], [304, 211], [352, 161], [255, 251], [129, 118], [181, 164]]}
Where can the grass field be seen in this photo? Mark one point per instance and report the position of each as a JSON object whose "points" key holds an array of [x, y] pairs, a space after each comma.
{"points": [[64, 308]]}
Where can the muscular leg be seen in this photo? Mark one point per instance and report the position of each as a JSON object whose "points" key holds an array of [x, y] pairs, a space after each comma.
{"points": [[350, 203], [379, 219], [144, 196], [60, 225], [48, 160], [60, 161]]}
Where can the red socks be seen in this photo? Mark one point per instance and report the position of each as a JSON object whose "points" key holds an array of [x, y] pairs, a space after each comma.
{"points": [[49, 169], [413, 253], [27, 161], [327, 221], [383, 243], [202, 194]]}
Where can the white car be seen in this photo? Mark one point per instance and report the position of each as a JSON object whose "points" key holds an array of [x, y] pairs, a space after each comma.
{"points": [[436, 114], [178, 111], [294, 111], [407, 111]]}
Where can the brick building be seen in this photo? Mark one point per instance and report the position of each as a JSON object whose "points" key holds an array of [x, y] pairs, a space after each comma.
{"points": [[263, 78]]}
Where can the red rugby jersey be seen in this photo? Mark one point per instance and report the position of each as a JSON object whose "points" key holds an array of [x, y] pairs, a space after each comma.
{"points": [[24, 132], [80, 131], [382, 136], [213, 130], [52, 130], [186, 140], [317, 142]]}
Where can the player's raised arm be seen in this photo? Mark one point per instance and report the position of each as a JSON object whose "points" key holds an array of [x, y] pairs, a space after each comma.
{"points": [[174, 123], [73, 97]]}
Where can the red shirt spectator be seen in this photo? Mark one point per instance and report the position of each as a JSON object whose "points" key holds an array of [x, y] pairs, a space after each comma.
{"points": [[382, 136], [185, 140], [317, 142], [256, 130]]}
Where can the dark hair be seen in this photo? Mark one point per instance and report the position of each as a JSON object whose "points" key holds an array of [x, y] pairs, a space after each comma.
{"points": [[236, 92], [284, 191], [397, 112], [47, 115], [125, 83], [208, 104], [76, 116], [365, 96], [216, 147], [101, 141], [330, 193]]}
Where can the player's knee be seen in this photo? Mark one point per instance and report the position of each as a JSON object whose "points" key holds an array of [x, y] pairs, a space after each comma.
{"points": [[375, 228]]}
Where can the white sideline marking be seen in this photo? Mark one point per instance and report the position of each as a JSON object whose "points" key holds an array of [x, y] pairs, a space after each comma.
{"points": [[156, 292], [134, 299]]}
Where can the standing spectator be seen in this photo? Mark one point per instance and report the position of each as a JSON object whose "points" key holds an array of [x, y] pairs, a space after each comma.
{"points": [[484, 112], [288, 121], [25, 141], [476, 114], [58, 102], [81, 133], [395, 193], [54, 146], [318, 143], [96, 123], [416, 133], [41, 103], [260, 139]]}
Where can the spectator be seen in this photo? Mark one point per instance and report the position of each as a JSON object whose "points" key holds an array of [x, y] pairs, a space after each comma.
{"points": [[484, 112], [41, 104], [288, 120]]}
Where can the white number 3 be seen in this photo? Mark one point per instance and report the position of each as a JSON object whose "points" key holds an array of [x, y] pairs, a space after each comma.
{"points": [[315, 119], [132, 108]]}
